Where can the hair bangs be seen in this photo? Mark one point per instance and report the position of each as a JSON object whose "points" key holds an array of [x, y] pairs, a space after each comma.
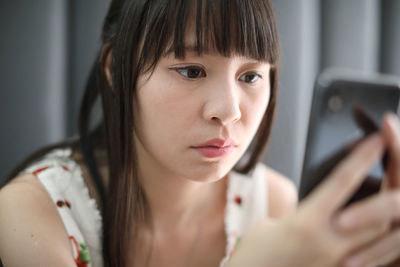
{"points": [[241, 27]]}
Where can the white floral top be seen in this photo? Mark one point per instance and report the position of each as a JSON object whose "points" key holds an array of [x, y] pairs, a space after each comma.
{"points": [[62, 178]]}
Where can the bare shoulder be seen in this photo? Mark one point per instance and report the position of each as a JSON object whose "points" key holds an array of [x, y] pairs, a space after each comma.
{"points": [[282, 193], [31, 231]]}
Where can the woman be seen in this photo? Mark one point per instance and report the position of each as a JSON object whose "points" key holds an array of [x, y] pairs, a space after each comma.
{"points": [[185, 87]]}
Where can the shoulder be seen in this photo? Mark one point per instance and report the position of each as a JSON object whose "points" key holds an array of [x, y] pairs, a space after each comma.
{"points": [[30, 226], [282, 193]]}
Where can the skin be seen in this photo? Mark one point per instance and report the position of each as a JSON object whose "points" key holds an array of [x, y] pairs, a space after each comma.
{"points": [[216, 103], [31, 231]]}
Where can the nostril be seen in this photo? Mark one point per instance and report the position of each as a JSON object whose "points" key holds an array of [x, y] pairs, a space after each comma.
{"points": [[217, 120]]}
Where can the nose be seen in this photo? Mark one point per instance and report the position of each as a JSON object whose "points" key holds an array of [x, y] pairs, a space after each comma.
{"points": [[223, 104]]}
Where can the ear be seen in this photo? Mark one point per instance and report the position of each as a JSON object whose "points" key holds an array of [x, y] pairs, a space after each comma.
{"points": [[107, 63]]}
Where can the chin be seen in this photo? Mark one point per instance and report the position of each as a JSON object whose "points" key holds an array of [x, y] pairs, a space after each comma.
{"points": [[206, 180], [209, 172]]}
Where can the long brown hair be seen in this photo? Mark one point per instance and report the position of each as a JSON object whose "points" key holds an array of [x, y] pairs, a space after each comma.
{"points": [[138, 33]]}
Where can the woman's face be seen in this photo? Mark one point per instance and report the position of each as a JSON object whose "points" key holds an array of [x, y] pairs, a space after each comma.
{"points": [[196, 117]]}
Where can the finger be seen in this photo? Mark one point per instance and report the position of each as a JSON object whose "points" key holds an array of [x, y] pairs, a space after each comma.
{"points": [[391, 134], [354, 245], [363, 121], [346, 177], [381, 252], [380, 209], [368, 126]]}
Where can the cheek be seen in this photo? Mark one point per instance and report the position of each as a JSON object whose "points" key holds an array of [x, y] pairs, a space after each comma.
{"points": [[255, 109], [165, 113]]}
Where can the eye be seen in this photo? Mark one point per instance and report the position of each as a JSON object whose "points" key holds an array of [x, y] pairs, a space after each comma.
{"points": [[191, 72], [250, 77]]}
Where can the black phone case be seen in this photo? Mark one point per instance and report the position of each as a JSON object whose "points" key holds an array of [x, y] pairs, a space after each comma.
{"points": [[346, 106]]}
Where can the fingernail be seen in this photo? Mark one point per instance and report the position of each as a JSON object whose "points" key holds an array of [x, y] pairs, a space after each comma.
{"points": [[394, 124]]}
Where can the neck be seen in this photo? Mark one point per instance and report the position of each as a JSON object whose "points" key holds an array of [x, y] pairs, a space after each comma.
{"points": [[178, 203]]}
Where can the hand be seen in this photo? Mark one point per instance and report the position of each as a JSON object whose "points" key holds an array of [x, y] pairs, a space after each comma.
{"points": [[310, 237], [386, 248]]}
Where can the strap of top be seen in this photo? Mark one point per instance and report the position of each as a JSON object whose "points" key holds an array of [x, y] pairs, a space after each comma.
{"points": [[246, 205], [63, 180]]}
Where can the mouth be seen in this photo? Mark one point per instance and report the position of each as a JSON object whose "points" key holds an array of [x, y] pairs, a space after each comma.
{"points": [[216, 147], [213, 151]]}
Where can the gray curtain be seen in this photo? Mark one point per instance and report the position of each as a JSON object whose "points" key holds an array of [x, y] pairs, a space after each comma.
{"points": [[48, 46], [46, 50]]}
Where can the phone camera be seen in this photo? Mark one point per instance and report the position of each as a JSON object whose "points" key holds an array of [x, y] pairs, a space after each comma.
{"points": [[335, 103]]}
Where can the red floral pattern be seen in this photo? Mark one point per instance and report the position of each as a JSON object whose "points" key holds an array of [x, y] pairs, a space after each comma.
{"points": [[65, 168], [238, 200], [82, 258], [61, 203], [40, 170]]}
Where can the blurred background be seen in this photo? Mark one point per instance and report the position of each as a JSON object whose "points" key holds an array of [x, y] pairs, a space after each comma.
{"points": [[48, 46]]}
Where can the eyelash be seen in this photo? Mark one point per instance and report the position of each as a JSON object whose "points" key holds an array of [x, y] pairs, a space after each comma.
{"points": [[182, 70], [257, 75], [186, 69]]}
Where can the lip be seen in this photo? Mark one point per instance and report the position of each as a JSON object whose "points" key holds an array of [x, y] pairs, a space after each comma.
{"points": [[217, 142], [216, 147]]}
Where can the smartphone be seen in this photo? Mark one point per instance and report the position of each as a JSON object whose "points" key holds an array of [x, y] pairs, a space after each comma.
{"points": [[332, 126]]}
